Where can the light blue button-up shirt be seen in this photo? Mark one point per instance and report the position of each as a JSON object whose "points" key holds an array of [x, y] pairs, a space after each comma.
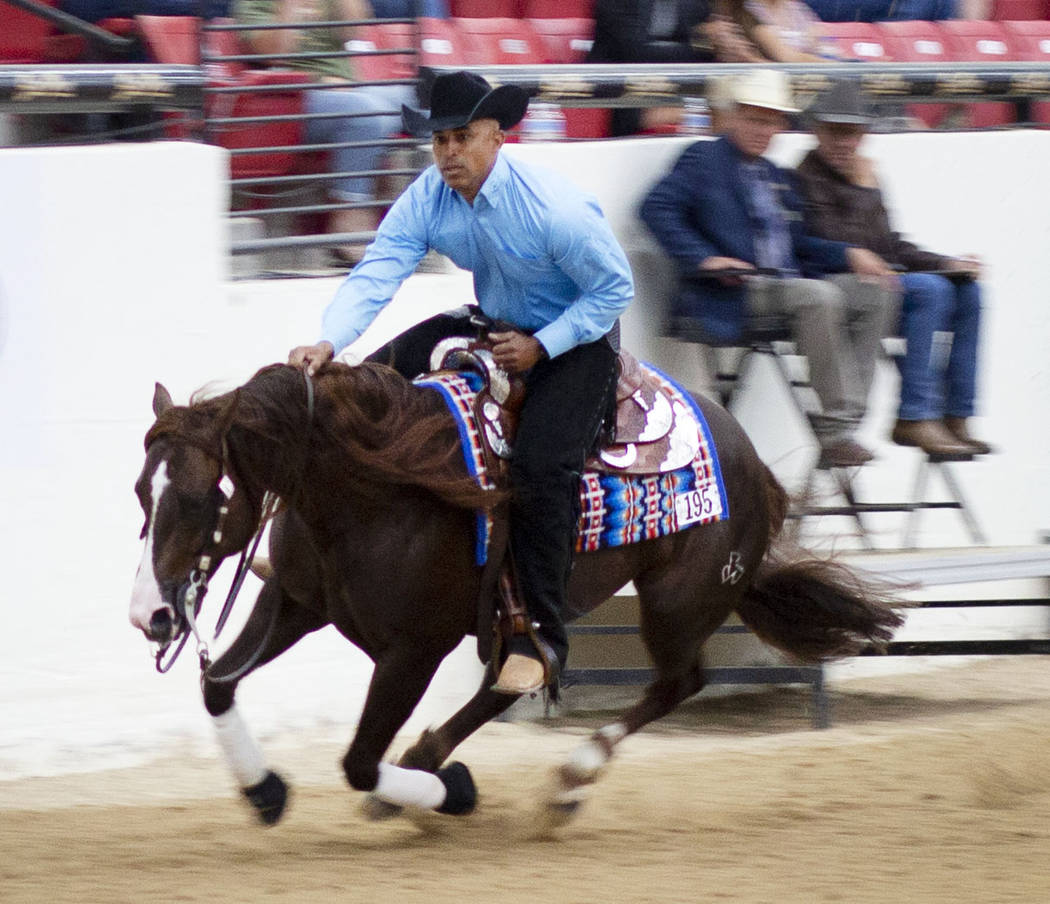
{"points": [[542, 254]]}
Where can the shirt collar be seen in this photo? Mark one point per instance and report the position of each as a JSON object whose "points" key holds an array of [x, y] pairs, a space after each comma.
{"points": [[492, 188]]}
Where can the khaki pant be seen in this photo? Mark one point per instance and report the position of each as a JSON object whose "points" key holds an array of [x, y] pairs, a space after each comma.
{"points": [[838, 324]]}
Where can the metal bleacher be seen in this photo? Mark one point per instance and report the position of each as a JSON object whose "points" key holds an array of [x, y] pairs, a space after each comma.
{"points": [[196, 79]]}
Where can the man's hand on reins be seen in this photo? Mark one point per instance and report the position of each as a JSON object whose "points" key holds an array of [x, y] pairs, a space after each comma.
{"points": [[311, 356], [516, 352]]}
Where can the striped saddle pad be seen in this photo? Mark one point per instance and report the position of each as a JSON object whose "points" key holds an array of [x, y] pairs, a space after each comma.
{"points": [[617, 505]]}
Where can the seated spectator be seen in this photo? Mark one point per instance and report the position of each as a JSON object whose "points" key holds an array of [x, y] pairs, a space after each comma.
{"points": [[843, 199], [662, 31], [369, 113], [724, 207], [899, 10], [784, 31]]}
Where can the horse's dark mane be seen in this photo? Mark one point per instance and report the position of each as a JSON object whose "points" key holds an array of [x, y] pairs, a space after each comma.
{"points": [[371, 428]]}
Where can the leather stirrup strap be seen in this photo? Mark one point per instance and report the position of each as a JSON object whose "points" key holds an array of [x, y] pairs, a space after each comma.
{"points": [[499, 538]]}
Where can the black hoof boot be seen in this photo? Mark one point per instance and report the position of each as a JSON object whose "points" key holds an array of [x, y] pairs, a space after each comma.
{"points": [[461, 794], [268, 797]]}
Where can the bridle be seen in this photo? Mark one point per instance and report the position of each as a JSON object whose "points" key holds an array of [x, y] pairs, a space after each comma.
{"points": [[189, 598], [190, 595]]}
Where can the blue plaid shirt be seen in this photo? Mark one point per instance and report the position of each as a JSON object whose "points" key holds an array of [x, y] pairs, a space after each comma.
{"points": [[542, 254]]}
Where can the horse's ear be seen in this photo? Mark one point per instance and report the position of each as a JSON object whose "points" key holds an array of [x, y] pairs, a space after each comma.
{"points": [[161, 400]]}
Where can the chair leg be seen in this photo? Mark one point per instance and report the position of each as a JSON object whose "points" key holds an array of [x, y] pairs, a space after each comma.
{"points": [[918, 496], [845, 485], [976, 534]]}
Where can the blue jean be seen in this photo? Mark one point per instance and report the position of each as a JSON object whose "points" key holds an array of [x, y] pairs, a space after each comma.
{"points": [[382, 100], [403, 9], [933, 304]]}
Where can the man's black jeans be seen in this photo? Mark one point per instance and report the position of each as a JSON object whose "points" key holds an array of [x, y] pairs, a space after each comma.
{"points": [[566, 401]]}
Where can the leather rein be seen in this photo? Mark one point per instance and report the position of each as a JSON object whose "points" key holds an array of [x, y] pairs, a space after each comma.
{"points": [[190, 596]]}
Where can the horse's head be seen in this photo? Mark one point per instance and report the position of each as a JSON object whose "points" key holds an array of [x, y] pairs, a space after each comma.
{"points": [[196, 514]]}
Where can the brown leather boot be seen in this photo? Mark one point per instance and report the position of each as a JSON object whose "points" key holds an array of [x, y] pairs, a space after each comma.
{"points": [[957, 428], [930, 436], [520, 674]]}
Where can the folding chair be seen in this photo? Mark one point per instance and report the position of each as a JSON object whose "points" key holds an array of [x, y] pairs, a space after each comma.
{"points": [[942, 465], [729, 365]]}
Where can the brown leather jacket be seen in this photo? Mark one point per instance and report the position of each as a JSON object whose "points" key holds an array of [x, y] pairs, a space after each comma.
{"points": [[837, 209]]}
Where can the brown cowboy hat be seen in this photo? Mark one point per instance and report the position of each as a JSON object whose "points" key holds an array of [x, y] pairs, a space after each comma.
{"points": [[459, 98]]}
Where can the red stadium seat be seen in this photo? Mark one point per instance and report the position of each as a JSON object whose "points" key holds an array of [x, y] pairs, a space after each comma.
{"points": [[504, 42], [171, 39], [174, 40], [70, 48], [567, 40], [856, 40], [1017, 10], [483, 9], [386, 36], [443, 44], [1031, 42], [983, 41], [918, 42], [587, 122], [23, 36], [281, 101], [555, 9]]}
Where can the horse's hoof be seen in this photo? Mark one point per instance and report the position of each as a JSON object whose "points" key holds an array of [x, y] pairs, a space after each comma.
{"points": [[461, 794], [377, 810], [269, 798], [558, 807], [550, 816]]}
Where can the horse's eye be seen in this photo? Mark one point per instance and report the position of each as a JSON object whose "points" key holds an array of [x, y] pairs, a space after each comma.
{"points": [[145, 529], [192, 506]]}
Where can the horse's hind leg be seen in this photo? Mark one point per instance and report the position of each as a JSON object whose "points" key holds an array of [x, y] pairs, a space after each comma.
{"points": [[275, 624], [676, 618], [435, 745]]}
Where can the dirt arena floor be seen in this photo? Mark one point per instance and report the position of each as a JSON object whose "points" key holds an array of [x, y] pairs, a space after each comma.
{"points": [[929, 788]]}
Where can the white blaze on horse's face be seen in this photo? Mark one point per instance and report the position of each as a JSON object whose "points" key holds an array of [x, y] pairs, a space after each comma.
{"points": [[146, 597]]}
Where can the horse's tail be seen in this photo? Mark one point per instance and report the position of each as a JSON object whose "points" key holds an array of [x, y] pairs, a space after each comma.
{"points": [[813, 608]]}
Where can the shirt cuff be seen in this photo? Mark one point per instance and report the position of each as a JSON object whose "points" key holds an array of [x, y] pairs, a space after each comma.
{"points": [[556, 338]]}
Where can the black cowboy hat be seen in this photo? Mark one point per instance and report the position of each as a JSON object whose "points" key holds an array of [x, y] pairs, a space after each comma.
{"points": [[842, 103], [459, 98]]}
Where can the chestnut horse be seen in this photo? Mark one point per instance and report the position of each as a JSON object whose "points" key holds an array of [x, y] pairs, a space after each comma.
{"points": [[376, 536]]}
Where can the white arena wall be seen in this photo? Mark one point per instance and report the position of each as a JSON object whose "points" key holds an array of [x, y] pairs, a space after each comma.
{"points": [[114, 273]]}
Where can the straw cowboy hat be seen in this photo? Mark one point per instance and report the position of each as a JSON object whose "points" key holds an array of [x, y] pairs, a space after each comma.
{"points": [[766, 88], [462, 97]]}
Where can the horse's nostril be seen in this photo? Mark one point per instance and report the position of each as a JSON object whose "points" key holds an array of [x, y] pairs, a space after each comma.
{"points": [[160, 624]]}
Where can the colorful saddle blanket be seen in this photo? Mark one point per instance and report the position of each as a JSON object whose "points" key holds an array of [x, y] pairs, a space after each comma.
{"points": [[616, 508]]}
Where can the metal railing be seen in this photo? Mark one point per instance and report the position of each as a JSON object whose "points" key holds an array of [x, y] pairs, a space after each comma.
{"points": [[281, 182]]}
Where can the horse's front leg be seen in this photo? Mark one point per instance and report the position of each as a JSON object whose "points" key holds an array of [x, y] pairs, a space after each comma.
{"points": [[276, 623], [435, 745], [401, 676]]}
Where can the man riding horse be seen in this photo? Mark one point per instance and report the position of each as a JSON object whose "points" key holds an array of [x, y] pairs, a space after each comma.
{"points": [[545, 262]]}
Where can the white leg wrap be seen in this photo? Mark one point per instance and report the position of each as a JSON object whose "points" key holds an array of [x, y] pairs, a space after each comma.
{"points": [[588, 759], [409, 787], [243, 754]]}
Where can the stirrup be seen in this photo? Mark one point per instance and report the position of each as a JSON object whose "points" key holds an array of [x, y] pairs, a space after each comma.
{"points": [[520, 674]]}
